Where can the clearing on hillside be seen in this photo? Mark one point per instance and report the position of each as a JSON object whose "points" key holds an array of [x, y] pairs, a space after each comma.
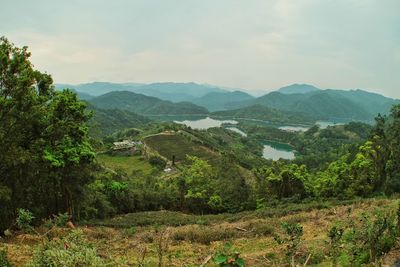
{"points": [[129, 164], [169, 145]]}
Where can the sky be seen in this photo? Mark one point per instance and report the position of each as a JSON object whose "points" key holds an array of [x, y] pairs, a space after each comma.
{"points": [[257, 45]]}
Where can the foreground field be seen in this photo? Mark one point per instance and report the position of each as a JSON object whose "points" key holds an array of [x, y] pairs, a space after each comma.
{"points": [[143, 239]]}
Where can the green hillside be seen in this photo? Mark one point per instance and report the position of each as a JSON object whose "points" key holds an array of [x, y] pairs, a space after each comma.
{"points": [[264, 113], [108, 121], [219, 100], [298, 89], [326, 104], [142, 104], [169, 145], [171, 91]]}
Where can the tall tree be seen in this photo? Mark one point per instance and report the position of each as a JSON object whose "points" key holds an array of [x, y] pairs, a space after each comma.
{"points": [[43, 139]]}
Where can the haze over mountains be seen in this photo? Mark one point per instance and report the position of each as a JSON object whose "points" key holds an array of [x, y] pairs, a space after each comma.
{"points": [[307, 101]]}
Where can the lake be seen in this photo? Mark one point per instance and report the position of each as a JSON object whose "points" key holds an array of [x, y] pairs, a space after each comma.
{"points": [[205, 123], [321, 124], [275, 151], [271, 150]]}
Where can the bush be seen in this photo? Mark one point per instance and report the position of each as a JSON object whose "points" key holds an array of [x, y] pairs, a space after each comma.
{"points": [[157, 162], [24, 220], [4, 259], [228, 257], [59, 220], [70, 251], [292, 238]]}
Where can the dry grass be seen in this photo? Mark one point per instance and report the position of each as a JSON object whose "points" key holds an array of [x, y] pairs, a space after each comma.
{"points": [[190, 244]]}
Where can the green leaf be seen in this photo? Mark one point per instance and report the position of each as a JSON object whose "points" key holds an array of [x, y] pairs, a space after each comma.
{"points": [[239, 262], [220, 259]]}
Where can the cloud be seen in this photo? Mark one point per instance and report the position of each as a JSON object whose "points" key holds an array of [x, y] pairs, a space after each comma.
{"points": [[254, 44]]}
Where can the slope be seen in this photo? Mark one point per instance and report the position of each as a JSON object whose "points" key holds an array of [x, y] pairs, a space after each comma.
{"points": [[142, 104], [219, 100], [260, 112], [106, 122]]}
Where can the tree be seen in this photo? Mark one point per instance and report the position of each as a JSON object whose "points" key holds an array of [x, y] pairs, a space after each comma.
{"points": [[198, 182], [44, 145]]}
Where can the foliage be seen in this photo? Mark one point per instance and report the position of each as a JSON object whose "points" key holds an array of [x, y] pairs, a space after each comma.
{"points": [[227, 258], [292, 238], [70, 251], [363, 239], [142, 104], [24, 220], [107, 121], [4, 259], [43, 140], [265, 113], [59, 220], [158, 162]]}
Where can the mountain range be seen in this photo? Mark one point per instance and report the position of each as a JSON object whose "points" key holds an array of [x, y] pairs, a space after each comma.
{"points": [[175, 92], [329, 104], [144, 105], [192, 98]]}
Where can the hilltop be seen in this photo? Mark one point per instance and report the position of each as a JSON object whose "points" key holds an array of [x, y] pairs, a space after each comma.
{"points": [[142, 104], [298, 89]]}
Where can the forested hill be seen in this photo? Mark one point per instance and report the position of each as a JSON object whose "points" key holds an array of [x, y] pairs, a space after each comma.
{"points": [[298, 89], [327, 104], [171, 91], [264, 113], [219, 100], [144, 105], [108, 121]]}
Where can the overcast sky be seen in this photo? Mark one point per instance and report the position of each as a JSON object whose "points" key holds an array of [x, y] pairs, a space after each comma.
{"points": [[249, 44]]}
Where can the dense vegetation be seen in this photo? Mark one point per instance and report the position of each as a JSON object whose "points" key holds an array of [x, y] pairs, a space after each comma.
{"points": [[218, 100], [49, 166], [142, 104], [266, 114], [107, 121], [43, 139], [327, 104]]}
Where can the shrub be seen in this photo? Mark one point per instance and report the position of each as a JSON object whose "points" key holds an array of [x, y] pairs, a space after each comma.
{"points": [[292, 238], [4, 259], [227, 257], [70, 251], [157, 162], [59, 220], [24, 220], [372, 238]]}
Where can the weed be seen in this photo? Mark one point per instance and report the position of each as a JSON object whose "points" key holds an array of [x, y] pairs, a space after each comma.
{"points": [[24, 220], [227, 258]]}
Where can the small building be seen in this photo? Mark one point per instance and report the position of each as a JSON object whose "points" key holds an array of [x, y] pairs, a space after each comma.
{"points": [[126, 147]]}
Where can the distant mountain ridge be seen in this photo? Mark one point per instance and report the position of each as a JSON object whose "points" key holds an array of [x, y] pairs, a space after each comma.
{"points": [[219, 100], [260, 112], [326, 104], [298, 89], [323, 104], [144, 105], [175, 92]]}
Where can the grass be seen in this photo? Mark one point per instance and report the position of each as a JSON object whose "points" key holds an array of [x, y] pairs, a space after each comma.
{"points": [[169, 145], [173, 218], [129, 164], [191, 238]]}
